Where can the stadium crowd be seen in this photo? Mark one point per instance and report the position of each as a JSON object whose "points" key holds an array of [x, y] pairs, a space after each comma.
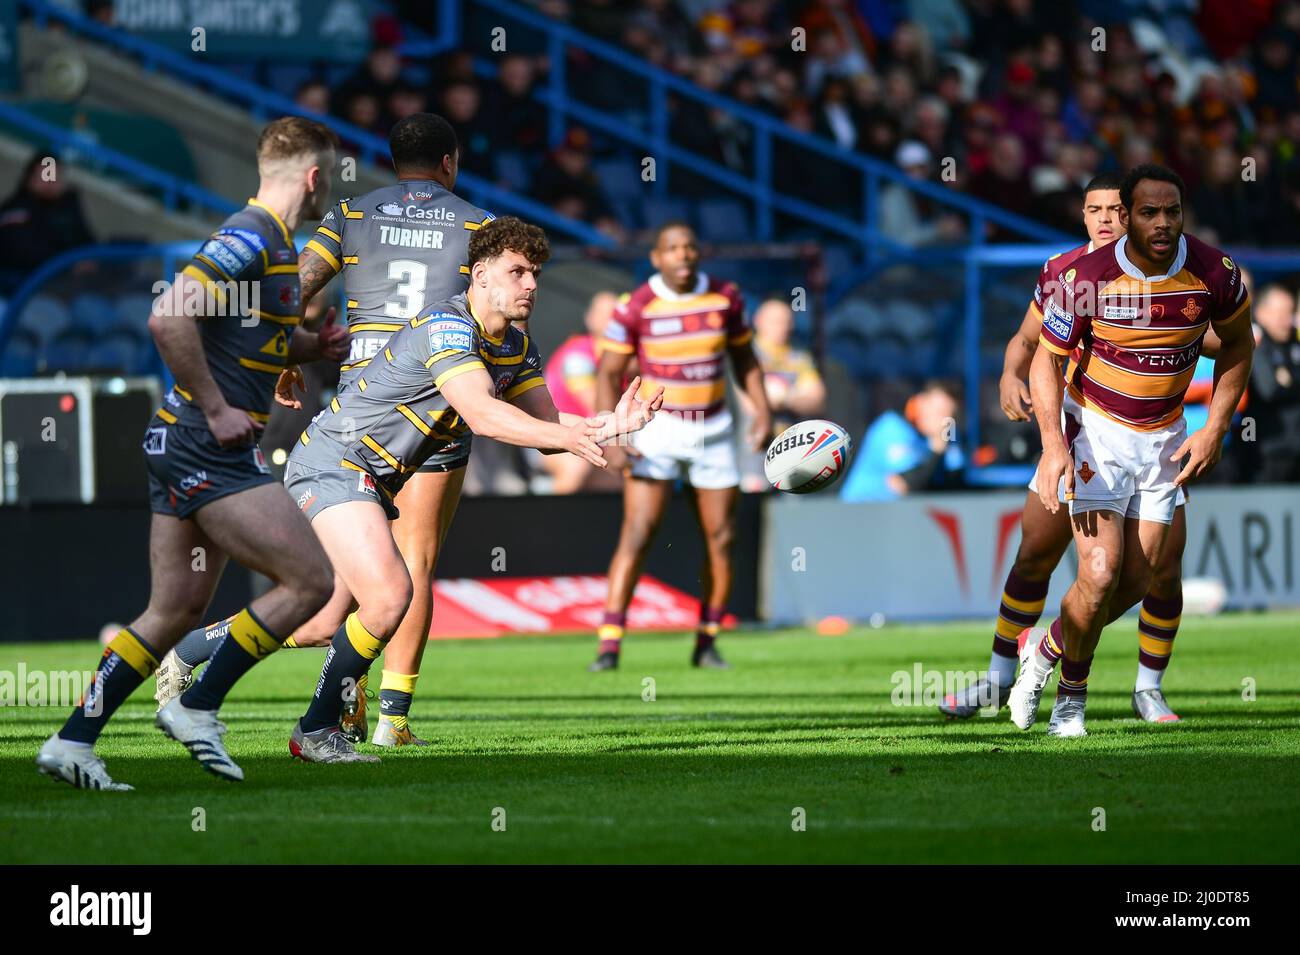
{"points": [[1027, 99]]}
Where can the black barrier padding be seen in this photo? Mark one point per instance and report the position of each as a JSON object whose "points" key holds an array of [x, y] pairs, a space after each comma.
{"points": [[66, 570]]}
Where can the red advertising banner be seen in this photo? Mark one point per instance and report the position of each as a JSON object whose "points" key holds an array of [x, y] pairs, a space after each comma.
{"points": [[497, 606]]}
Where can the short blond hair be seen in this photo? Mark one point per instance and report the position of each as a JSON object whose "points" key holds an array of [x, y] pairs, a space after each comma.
{"points": [[293, 137]]}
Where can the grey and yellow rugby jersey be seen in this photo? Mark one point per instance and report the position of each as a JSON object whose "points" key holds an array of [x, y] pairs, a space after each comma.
{"points": [[398, 248], [395, 416], [250, 266]]}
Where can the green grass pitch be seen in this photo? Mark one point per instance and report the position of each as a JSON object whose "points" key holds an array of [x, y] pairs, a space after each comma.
{"points": [[712, 770]]}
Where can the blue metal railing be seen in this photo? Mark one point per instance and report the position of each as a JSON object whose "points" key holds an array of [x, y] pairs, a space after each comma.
{"points": [[264, 103], [65, 140], [862, 230]]}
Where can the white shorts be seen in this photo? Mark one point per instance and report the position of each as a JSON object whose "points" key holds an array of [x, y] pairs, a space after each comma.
{"points": [[701, 452], [1119, 469]]}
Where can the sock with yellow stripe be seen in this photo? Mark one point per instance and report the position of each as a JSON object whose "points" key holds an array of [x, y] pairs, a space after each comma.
{"points": [[197, 646], [1073, 681], [127, 662], [1052, 646], [247, 642], [710, 623], [611, 631], [1157, 626], [1021, 606], [351, 652], [395, 695]]}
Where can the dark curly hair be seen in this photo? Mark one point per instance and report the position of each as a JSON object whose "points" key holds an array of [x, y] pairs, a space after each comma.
{"points": [[509, 234], [1148, 170]]}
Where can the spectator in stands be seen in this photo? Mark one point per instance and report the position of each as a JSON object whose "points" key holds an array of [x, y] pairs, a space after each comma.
{"points": [[1275, 387], [837, 119], [571, 377], [568, 185], [362, 110], [41, 219], [910, 218], [790, 377], [516, 122], [1003, 182], [461, 104], [313, 95], [378, 76], [405, 100], [1222, 203], [904, 453]]}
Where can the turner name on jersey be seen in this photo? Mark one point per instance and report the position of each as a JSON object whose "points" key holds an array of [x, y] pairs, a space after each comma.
{"points": [[410, 238]]}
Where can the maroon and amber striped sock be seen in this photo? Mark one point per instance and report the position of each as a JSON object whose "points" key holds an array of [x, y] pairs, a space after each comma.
{"points": [[1022, 605], [1074, 678], [611, 631], [1157, 626], [1052, 646], [710, 624]]}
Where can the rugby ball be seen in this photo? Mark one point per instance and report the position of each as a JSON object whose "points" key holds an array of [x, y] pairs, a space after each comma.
{"points": [[808, 456]]}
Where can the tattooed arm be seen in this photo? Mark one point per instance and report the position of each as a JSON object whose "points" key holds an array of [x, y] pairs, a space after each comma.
{"points": [[314, 273]]}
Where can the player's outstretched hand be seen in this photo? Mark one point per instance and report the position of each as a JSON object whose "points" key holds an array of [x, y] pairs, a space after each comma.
{"points": [[1203, 449], [581, 441], [232, 427], [1013, 395], [332, 338], [1055, 465], [630, 415], [284, 387]]}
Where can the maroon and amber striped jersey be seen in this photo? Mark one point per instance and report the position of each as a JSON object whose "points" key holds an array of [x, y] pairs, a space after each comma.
{"points": [[1140, 336], [681, 341]]}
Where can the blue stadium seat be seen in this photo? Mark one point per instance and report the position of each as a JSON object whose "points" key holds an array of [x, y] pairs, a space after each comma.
{"points": [[285, 78], [92, 311], [513, 169], [132, 311], [620, 178], [20, 355], [69, 351], [725, 220], [656, 211], [44, 316], [119, 350], [910, 321]]}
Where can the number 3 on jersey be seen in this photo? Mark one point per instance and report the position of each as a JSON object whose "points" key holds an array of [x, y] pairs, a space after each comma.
{"points": [[410, 277]]}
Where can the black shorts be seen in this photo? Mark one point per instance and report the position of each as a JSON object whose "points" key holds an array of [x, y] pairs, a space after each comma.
{"points": [[188, 468], [453, 459]]}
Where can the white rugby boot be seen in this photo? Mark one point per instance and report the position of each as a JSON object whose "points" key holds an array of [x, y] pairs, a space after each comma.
{"points": [[1067, 717], [76, 764], [1150, 706], [174, 677], [980, 695], [200, 732], [1027, 691], [326, 745]]}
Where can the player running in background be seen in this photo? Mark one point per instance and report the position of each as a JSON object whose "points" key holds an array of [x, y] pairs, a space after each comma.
{"points": [[1045, 536], [398, 247], [459, 365], [211, 493], [681, 325], [1138, 310]]}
